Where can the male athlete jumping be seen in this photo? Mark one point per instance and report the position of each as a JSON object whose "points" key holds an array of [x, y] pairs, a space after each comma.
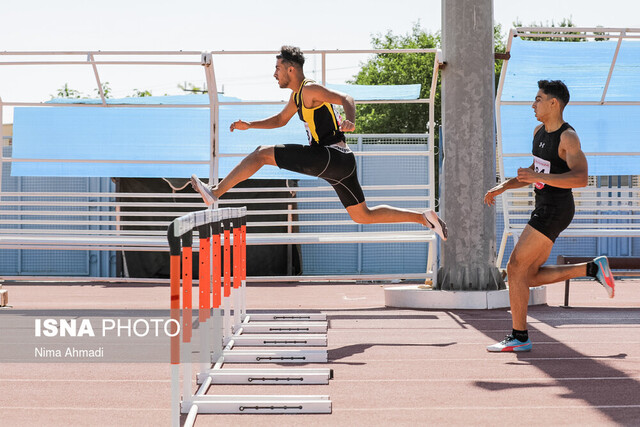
{"points": [[327, 156], [558, 166]]}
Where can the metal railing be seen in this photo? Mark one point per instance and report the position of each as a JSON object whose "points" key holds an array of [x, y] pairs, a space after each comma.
{"points": [[55, 209]]}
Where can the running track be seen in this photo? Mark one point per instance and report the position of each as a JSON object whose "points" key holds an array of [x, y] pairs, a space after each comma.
{"points": [[392, 367]]}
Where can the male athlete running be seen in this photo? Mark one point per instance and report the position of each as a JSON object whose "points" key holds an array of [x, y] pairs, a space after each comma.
{"points": [[558, 166], [327, 156]]}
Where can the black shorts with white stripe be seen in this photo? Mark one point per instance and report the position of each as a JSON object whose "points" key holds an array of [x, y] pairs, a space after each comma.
{"points": [[334, 164]]}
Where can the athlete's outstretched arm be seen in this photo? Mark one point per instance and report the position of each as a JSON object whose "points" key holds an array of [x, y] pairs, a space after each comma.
{"points": [[490, 196], [510, 184], [571, 152], [279, 120], [316, 94]]}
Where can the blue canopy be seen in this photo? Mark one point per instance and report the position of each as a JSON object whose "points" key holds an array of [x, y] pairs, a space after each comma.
{"points": [[584, 67], [158, 134]]}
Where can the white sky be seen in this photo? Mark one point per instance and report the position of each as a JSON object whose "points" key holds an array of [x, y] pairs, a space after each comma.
{"points": [[43, 25]]}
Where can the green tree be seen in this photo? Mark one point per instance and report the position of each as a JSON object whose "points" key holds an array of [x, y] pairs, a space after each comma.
{"points": [[565, 23], [66, 92], [389, 68], [601, 33], [137, 93], [106, 89], [190, 87], [397, 69], [499, 46]]}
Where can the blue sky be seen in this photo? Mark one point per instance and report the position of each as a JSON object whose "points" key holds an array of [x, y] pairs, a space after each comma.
{"points": [[29, 25]]}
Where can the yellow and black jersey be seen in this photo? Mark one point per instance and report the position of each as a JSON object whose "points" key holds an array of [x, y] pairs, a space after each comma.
{"points": [[322, 122]]}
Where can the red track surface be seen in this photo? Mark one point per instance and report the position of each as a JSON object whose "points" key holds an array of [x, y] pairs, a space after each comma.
{"points": [[391, 366]]}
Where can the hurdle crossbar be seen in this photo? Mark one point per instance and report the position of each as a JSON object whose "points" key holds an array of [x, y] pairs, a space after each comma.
{"points": [[222, 248]]}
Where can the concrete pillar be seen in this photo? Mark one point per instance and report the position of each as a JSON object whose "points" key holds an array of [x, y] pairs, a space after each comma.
{"points": [[469, 170]]}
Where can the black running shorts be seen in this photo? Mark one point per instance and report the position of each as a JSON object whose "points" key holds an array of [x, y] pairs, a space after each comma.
{"points": [[552, 214], [334, 164]]}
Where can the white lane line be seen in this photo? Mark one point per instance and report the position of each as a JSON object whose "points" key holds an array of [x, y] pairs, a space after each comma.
{"points": [[337, 409], [64, 380], [483, 359], [488, 380], [480, 408], [485, 331], [92, 409]]}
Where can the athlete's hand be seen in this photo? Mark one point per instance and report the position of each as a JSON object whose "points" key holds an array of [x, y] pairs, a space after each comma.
{"points": [[527, 175], [490, 197], [240, 125], [347, 126]]}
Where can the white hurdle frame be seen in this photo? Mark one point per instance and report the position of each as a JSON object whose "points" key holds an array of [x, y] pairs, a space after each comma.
{"points": [[179, 235]]}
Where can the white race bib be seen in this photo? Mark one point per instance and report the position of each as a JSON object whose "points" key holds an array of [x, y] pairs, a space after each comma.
{"points": [[306, 127], [541, 166]]}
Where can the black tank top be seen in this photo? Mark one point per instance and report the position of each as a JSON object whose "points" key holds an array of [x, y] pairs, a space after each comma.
{"points": [[546, 158], [322, 123]]}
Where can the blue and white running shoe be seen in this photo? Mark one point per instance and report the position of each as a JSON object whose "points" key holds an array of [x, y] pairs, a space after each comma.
{"points": [[509, 343], [604, 275]]}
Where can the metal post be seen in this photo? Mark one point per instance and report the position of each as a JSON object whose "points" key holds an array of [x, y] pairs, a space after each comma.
{"points": [[289, 247], [613, 65], [214, 118], [499, 157], [95, 72], [1, 145], [431, 161], [469, 130], [432, 129], [359, 161]]}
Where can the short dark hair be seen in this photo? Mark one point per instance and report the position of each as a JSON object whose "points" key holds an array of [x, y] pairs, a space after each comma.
{"points": [[291, 55], [556, 89]]}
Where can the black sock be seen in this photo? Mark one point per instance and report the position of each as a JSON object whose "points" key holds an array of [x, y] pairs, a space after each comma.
{"points": [[521, 336], [592, 269]]}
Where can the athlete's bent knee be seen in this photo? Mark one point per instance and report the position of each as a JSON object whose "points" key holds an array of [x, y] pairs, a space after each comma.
{"points": [[360, 219], [514, 266], [520, 271], [359, 215], [261, 149], [264, 153]]}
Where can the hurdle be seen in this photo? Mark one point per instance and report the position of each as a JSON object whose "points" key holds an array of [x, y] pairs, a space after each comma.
{"points": [[228, 330], [255, 330]]}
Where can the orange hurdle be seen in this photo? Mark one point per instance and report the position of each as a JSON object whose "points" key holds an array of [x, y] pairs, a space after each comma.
{"points": [[211, 286], [204, 274], [218, 231]]}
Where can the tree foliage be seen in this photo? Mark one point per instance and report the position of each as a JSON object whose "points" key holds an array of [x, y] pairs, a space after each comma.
{"points": [[499, 46], [192, 89], [67, 92], [565, 23], [398, 69], [106, 89], [137, 93]]}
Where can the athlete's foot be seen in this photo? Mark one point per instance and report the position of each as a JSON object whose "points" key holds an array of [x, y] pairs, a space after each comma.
{"points": [[604, 275], [508, 344], [204, 190], [436, 224]]}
